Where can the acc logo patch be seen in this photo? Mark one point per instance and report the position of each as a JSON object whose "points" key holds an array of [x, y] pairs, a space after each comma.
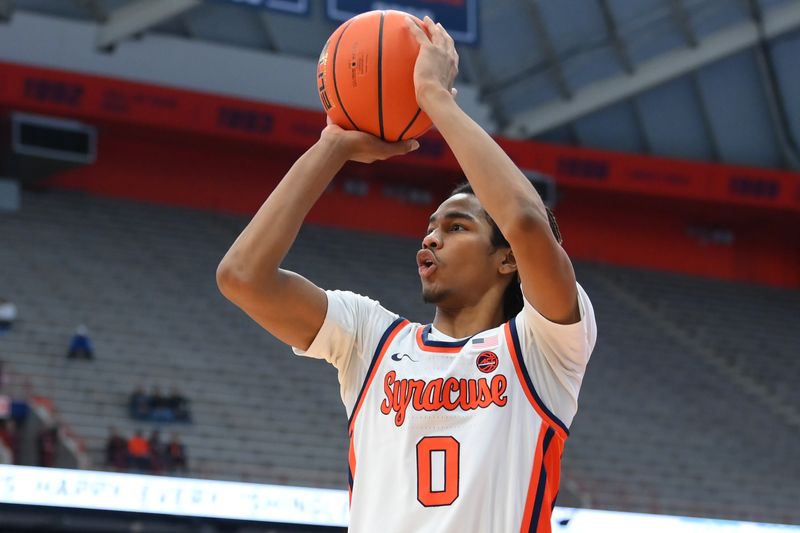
{"points": [[487, 362]]}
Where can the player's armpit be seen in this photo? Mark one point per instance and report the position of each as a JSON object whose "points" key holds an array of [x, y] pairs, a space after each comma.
{"points": [[289, 306]]}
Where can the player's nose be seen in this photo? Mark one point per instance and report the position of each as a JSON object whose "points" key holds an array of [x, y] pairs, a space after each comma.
{"points": [[432, 240]]}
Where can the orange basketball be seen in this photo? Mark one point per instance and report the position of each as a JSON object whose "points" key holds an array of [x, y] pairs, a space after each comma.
{"points": [[365, 76]]}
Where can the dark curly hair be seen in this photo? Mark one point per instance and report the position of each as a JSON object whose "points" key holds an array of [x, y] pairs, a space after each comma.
{"points": [[512, 298]]}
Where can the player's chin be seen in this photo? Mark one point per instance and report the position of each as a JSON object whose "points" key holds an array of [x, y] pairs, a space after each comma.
{"points": [[432, 294]]}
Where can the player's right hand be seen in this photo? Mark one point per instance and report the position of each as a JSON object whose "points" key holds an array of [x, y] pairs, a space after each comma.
{"points": [[436, 67], [363, 147]]}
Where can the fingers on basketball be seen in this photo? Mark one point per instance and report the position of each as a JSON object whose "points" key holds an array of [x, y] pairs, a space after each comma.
{"points": [[417, 32]]}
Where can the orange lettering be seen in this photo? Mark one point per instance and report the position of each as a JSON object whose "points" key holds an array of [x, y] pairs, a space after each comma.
{"points": [[450, 386], [386, 405], [485, 397], [438, 393], [418, 386], [498, 390]]}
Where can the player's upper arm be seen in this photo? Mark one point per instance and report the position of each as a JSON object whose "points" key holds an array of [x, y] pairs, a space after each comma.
{"points": [[548, 279], [289, 306]]}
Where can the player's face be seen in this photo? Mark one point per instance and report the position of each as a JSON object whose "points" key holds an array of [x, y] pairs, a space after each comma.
{"points": [[457, 263]]}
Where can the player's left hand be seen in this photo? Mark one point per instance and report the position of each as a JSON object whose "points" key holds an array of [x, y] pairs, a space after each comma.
{"points": [[437, 63], [363, 147]]}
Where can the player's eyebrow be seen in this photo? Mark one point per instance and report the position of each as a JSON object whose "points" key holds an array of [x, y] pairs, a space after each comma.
{"points": [[452, 215]]}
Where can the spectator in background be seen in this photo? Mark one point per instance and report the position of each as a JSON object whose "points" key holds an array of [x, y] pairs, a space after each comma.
{"points": [[159, 407], [179, 405], [8, 437], [156, 452], [116, 451], [156, 407], [80, 347], [138, 453], [139, 404], [8, 314], [48, 445], [175, 456]]}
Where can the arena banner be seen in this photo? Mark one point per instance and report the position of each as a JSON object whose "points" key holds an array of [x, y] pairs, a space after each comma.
{"points": [[460, 17], [295, 7], [83, 489], [99, 100], [107, 491]]}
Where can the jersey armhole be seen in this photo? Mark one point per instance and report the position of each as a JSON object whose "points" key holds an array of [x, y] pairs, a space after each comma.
{"points": [[380, 350], [512, 340]]}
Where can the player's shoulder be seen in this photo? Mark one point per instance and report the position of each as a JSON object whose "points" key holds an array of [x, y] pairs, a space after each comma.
{"points": [[352, 298], [545, 335], [361, 306], [529, 313]]}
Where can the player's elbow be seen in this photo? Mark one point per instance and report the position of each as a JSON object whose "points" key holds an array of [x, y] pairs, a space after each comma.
{"points": [[224, 278], [231, 280], [526, 223], [243, 283]]}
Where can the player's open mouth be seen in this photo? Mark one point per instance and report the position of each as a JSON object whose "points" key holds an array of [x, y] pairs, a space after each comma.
{"points": [[427, 269], [426, 263]]}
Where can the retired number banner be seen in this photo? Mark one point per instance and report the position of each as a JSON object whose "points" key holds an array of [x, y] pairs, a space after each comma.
{"points": [[459, 17], [295, 7]]}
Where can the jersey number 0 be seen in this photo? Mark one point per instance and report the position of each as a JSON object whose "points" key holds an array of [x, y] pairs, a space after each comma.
{"points": [[448, 491]]}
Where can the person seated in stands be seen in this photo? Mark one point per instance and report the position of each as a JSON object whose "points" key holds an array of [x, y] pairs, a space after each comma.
{"points": [[8, 437], [138, 453], [48, 446], [116, 451], [156, 452], [139, 404], [80, 347], [8, 314], [179, 405], [175, 456], [159, 407]]}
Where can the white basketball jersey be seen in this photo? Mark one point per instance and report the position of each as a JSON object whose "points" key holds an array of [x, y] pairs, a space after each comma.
{"points": [[452, 437]]}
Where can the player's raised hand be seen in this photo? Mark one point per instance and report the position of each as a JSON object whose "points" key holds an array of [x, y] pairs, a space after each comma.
{"points": [[437, 63], [363, 147]]}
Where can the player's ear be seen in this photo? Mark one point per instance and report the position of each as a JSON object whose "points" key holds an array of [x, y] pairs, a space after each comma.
{"points": [[508, 263]]}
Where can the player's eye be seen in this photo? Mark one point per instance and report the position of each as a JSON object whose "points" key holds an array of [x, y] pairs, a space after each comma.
{"points": [[457, 227]]}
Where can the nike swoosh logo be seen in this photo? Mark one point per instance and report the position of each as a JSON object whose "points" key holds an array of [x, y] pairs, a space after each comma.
{"points": [[399, 357]]}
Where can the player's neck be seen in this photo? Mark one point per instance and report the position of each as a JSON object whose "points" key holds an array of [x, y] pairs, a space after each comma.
{"points": [[467, 321]]}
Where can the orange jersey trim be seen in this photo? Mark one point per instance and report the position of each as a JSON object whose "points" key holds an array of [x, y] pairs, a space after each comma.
{"points": [[544, 482], [388, 337], [450, 350], [536, 469], [351, 460], [543, 412]]}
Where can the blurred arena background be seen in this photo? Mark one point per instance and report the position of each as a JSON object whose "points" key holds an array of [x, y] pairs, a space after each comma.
{"points": [[138, 136]]}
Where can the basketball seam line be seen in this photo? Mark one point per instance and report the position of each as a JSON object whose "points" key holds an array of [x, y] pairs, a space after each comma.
{"points": [[335, 86], [416, 115], [380, 76], [419, 110]]}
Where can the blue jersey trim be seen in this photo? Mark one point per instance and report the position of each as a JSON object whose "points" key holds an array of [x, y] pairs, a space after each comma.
{"points": [[442, 344], [394, 325], [528, 383], [537, 506]]}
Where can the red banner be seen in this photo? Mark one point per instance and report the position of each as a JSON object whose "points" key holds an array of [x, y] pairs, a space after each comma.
{"points": [[100, 100]]}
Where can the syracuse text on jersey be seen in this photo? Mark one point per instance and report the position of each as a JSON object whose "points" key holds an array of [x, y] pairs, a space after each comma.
{"points": [[439, 393]]}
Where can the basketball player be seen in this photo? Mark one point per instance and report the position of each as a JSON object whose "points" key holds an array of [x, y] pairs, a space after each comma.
{"points": [[458, 425]]}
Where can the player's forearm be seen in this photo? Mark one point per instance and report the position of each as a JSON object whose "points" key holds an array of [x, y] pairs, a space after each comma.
{"points": [[502, 188], [257, 253]]}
